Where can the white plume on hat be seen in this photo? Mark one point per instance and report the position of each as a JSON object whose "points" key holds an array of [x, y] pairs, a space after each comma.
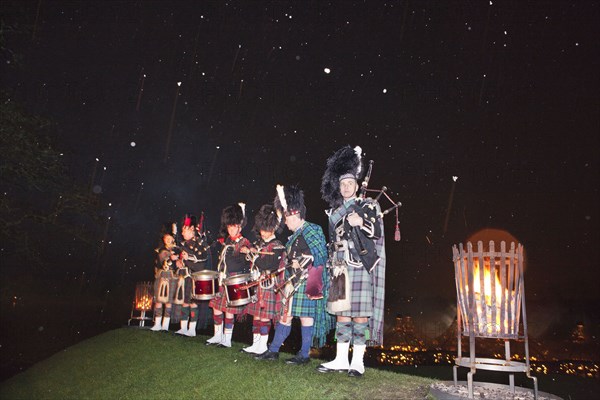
{"points": [[281, 195], [358, 151]]}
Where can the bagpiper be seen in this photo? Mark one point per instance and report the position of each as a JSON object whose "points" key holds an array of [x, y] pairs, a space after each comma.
{"points": [[356, 263], [167, 255], [306, 251], [194, 257]]}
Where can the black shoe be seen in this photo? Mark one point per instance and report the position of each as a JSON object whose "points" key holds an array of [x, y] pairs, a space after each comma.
{"points": [[268, 355], [354, 373], [298, 360], [324, 369]]}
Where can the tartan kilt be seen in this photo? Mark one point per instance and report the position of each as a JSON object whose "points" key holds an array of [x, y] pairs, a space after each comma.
{"points": [[172, 288], [187, 290], [302, 306], [361, 293], [267, 306], [219, 302]]}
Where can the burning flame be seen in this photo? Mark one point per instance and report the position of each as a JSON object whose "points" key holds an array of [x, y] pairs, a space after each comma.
{"points": [[143, 303], [492, 300], [487, 283]]}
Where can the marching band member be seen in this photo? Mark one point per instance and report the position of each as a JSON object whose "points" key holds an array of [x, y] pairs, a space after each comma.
{"points": [[194, 256], [269, 257], [231, 262], [306, 250], [164, 283], [357, 263]]}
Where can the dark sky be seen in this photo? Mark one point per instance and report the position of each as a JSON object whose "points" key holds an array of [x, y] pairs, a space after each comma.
{"points": [[503, 95]]}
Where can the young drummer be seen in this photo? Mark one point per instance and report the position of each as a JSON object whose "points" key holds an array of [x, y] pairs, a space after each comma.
{"points": [[194, 256], [231, 262], [269, 256]]}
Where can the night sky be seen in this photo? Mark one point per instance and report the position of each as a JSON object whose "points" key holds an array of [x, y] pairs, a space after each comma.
{"points": [[503, 95]]}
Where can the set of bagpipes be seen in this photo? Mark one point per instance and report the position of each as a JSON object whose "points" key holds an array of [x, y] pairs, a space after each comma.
{"points": [[366, 248], [178, 251]]}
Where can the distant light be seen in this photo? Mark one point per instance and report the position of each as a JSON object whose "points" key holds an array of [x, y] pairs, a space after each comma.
{"points": [[178, 83], [218, 147], [97, 159], [455, 178], [384, 90], [132, 144], [327, 70]]}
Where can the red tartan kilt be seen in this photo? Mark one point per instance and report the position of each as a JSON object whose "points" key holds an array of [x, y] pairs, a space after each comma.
{"points": [[219, 302], [268, 305]]}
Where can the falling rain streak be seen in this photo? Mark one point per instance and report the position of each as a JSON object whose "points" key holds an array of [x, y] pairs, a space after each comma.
{"points": [[168, 145]]}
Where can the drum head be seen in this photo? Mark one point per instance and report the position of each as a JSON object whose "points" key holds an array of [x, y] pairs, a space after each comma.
{"points": [[205, 274], [237, 279]]}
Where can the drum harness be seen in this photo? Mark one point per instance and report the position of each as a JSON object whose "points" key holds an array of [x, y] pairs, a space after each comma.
{"points": [[222, 268]]}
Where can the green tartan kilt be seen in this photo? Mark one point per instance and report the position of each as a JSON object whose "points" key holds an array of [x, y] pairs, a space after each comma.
{"points": [[361, 293], [302, 306]]}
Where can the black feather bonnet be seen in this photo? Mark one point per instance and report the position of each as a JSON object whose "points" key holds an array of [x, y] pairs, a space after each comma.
{"points": [[344, 163]]}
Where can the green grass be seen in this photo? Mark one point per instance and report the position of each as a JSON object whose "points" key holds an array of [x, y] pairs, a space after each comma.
{"points": [[131, 363]]}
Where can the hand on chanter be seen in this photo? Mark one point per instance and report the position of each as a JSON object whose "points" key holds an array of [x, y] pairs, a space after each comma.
{"points": [[354, 219]]}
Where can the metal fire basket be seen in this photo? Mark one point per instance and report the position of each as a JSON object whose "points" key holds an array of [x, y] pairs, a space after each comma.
{"points": [[490, 296], [142, 302]]}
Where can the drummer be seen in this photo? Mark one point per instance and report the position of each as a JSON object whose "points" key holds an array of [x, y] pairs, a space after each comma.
{"points": [[231, 262], [268, 255], [194, 256]]}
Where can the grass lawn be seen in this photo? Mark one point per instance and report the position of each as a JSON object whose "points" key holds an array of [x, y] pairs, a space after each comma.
{"points": [[131, 363]]}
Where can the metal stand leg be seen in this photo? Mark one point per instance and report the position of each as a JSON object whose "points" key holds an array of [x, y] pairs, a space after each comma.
{"points": [[470, 381], [535, 386], [511, 377]]}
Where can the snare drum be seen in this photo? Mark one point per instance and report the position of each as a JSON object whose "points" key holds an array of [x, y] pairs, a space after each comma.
{"points": [[236, 294], [205, 283]]}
